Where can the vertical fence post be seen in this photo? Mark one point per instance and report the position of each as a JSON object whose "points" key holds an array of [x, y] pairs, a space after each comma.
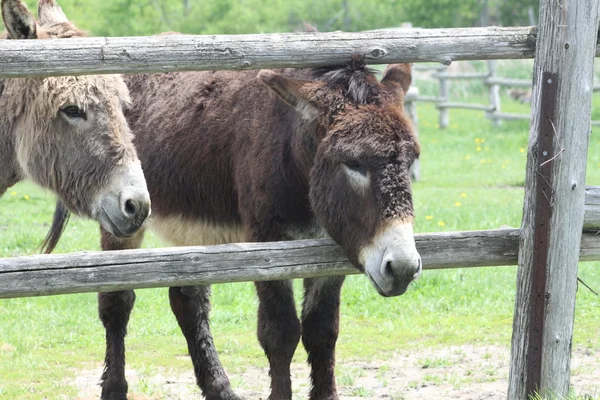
{"points": [[494, 94], [444, 83], [410, 105], [554, 198]]}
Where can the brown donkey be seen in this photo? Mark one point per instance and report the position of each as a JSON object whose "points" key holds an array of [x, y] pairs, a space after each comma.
{"points": [[267, 156], [69, 134]]}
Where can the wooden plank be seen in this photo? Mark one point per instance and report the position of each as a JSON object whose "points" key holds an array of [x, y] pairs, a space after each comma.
{"points": [[460, 76], [20, 58], [143, 268], [511, 116], [42, 275], [466, 106], [525, 83], [430, 99], [566, 46]]}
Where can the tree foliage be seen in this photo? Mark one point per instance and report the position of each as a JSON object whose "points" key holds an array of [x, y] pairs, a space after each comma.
{"points": [[148, 17]]}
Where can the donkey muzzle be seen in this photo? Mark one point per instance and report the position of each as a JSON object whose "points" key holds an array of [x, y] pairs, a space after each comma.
{"points": [[124, 207], [391, 259]]}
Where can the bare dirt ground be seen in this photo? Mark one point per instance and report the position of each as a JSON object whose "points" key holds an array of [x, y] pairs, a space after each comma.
{"points": [[458, 372]]}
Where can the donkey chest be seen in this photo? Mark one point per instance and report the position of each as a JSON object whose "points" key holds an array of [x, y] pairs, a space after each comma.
{"points": [[180, 231]]}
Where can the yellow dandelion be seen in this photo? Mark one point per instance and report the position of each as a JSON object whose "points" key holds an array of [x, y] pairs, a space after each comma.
{"points": [[522, 149], [26, 197], [486, 148], [453, 126], [429, 217], [478, 148], [13, 193], [441, 223], [482, 140], [477, 140], [463, 195], [458, 204], [482, 161], [469, 157]]}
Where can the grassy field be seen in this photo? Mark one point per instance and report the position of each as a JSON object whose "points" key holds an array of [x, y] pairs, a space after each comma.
{"points": [[472, 178]]}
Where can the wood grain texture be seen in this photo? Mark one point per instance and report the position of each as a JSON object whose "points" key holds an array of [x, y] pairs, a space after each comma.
{"points": [[20, 58], [53, 274], [143, 268], [566, 45]]}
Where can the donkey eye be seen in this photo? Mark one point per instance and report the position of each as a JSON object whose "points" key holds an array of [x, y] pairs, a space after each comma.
{"points": [[356, 166], [74, 112]]}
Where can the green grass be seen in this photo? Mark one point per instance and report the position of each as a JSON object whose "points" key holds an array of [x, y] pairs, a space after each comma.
{"points": [[472, 178]]}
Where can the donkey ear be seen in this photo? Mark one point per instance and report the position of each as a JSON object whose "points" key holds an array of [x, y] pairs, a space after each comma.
{"points": [[397, 74], [50, 13], [299, 94], [19, 22]]}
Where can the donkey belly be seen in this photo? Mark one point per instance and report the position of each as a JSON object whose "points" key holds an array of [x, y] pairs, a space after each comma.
{"points": [[186, 232]]}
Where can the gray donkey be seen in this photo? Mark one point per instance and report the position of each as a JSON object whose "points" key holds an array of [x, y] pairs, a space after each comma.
{"points": [[68, 134]]}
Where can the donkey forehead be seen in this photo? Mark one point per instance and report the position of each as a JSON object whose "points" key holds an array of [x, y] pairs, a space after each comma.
{"points": [[372, 130], [60, 31], [84, 90]]}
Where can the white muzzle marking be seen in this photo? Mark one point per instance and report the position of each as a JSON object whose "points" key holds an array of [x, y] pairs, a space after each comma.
{"points": [[391, 259]]}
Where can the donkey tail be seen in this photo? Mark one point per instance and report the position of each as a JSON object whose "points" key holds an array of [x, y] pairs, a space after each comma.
{"points": [[59, 223]]}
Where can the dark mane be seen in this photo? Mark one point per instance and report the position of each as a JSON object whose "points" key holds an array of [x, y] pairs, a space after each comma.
{"points": [[355, 77]]}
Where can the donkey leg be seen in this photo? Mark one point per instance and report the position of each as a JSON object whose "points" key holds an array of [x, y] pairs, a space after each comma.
{"points": [[114, 309], [320, 327], [278, 333], [191, 306]]}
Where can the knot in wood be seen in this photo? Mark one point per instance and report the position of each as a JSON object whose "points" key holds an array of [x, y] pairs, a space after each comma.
{"points": [[376, 53]]}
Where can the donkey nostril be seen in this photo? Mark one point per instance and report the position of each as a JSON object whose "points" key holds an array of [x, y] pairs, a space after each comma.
{"points": [[388, 269], [419, 269], [130, 207]]}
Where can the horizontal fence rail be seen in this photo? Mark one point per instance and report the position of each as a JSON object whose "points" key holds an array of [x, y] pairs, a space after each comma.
{"points": [[180, 266], [21, 58], [200, 265]]}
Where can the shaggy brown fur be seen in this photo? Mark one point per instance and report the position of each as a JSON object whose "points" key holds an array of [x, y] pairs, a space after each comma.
{"points": [[263, 157]]}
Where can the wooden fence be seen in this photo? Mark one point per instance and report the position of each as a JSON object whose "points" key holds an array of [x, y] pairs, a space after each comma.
{"points": [[95, 271], [563, 207], [489, 79]]}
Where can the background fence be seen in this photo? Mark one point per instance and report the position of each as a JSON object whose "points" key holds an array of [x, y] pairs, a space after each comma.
{"points": [[490, 79]]}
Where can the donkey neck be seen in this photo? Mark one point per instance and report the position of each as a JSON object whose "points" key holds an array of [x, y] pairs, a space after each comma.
{"points": [[10, 173], [303, 146]]}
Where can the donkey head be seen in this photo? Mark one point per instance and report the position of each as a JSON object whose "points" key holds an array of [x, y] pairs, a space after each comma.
{"points": [[359, 183], [70, 133]]}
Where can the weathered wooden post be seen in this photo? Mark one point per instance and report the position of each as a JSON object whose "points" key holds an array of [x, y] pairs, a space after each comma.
{"points": [[410, 104], [444, 92], [493, 93], [554, 198]]}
